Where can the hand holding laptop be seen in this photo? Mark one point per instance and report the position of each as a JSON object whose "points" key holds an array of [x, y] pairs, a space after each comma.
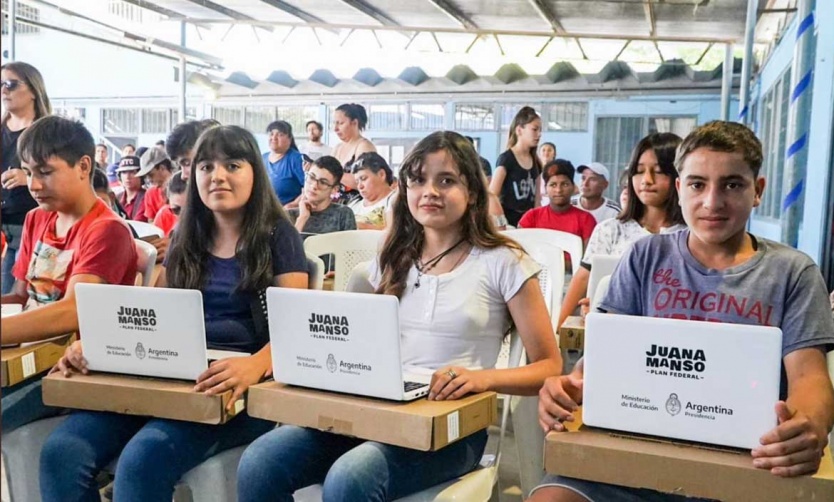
{"points": [[559, 397], [73, 359], [238, 373], [454, 382], [793, 447]]}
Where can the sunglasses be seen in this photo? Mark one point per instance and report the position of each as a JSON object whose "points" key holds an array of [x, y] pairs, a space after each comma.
{"points": [[11, 84]]}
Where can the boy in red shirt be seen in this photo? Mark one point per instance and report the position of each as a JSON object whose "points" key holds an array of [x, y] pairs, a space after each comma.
{"points": [[560, 214], [71, 238]]}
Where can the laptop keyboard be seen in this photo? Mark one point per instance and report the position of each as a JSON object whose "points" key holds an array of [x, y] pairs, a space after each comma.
{"points": [[409, 386]]}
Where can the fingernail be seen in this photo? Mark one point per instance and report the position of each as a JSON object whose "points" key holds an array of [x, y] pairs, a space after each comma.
{"points": [[758, 462]]}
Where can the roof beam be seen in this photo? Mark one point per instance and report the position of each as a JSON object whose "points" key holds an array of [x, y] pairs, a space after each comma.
{"points": [[648, 9], [453, 12], [548, 15], [293, 10], [156, 8], [371, 11], [473, 31]]}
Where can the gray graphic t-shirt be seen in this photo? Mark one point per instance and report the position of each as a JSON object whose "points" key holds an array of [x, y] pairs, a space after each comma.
{"points": [[779, 286], [335, 218]]}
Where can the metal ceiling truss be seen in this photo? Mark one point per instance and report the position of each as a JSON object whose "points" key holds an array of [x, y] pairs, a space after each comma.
{"points": [[371, 11], [549, 16], [237, 16], [454, 13]]}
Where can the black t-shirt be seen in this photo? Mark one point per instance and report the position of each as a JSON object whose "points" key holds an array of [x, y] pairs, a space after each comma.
{"points": [[518, 193], [486, 167], [17, 201]]}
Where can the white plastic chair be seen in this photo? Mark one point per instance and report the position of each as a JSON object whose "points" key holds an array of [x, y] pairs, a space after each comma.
{"points": [[359, 281], [316, 279], [349, 248], [572, 244], [599, 294], [21, 449], [146, 260]]}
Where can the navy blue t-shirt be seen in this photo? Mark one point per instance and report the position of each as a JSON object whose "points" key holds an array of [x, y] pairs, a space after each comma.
{"points": [[228, 313]]}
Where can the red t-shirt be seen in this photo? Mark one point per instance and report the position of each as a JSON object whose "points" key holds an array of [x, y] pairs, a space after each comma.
{"points": [[574, 221], [135, 209], [154, 201], [166, 220], [99, 244]]}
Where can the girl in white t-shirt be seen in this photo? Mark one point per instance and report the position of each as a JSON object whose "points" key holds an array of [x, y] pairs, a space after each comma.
{"points": [[461, 285], [652, 207]]}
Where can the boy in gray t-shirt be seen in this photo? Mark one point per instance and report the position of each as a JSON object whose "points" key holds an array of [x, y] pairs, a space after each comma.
{"points": [[716, 271]]}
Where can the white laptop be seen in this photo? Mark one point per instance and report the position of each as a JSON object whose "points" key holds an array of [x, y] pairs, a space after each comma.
{"points": [[343, 342], [699, 381], [157, 332], [602, 265]]}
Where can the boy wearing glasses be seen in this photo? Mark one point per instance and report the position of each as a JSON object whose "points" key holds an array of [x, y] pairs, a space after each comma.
{"points": [[316, 213]]}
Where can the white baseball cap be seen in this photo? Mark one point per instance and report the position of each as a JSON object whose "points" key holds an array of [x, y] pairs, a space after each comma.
{"points": [[597, 168]]}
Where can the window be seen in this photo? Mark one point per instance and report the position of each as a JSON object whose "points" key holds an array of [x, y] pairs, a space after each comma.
{"points": [[70, 112], [120, 121], [258, 118], [228, 116], [190, 114], [23, 12], [616, 137], [567, 117], [155, 120], [509, 111], [427, 117], [474, 117], [387, 117], [132, 13], [297, 116], [774, 136]]}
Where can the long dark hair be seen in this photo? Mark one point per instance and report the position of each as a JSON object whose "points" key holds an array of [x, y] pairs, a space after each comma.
{"points": [[189, 253], [524, 116], [34, 81], [284, 128], [404, 242], [664, 145]]}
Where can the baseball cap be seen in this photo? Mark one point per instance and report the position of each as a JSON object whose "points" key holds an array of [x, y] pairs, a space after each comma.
{"points": [[150, 159], [597, 168], [128, 163]]}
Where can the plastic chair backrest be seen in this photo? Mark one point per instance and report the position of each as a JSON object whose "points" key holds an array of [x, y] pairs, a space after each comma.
{"points": [[599, 294], [572, 244], [349, 248], [316, 279], [145, 260], [359, 281]]}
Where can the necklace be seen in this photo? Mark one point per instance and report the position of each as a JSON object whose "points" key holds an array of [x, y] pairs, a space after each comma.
{"points": [[424, 267]]}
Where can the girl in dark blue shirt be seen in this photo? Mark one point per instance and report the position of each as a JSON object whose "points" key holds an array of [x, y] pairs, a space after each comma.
{"points": [[233, 240]]}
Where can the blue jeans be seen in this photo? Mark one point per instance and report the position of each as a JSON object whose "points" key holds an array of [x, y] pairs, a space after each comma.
{"points": [[13, 237], [22, 403], [603, 492], [290, 458], [155, 453]]}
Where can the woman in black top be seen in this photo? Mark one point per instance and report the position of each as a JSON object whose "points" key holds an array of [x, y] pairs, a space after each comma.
{"points": [[516, 177], [24, 97]]}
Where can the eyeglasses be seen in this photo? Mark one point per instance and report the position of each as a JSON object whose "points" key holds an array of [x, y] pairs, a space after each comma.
{"points": [[10, 84], [321, 183]]}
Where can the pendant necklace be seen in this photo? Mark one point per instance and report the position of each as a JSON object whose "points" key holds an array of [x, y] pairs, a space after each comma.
{"points": [[424, 267]]}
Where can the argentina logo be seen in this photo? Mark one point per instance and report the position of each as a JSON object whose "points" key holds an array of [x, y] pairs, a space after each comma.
{"points": [[676, 362]]}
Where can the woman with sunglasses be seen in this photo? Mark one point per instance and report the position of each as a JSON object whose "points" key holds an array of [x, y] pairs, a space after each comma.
{"points": [[25, 101]]}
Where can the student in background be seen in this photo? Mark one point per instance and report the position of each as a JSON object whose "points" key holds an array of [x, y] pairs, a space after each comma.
{"points": [[559, 214], [101, 157], [594, 182], [547, 153], [283, 162], [516, 177], [233, 241], [718, 187], [167, 217], [127, 150], [314, 148], [101, 186], [652, 208], [316, 214], [442, 256], [72, 237], [132, 199], [349, 120], [485, 165], [180, 143], [156, 169], [24, 101], [373, 177], [623, 184]]}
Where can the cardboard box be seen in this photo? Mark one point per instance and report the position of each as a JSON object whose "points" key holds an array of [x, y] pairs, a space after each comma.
{"points": [[677, 467], [572, 333], [29, 360], [421, 425], [133, 395]]}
